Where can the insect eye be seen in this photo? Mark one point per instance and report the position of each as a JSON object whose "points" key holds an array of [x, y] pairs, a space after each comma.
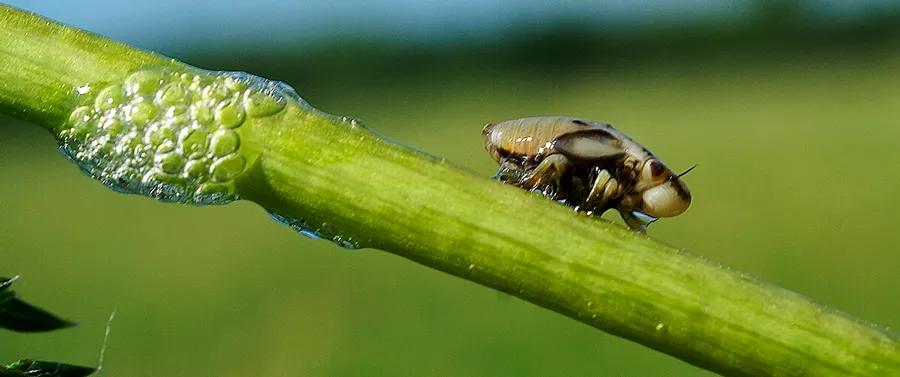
{"points": [[656, 168]]}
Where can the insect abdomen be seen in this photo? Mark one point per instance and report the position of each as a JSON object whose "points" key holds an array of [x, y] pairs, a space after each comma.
{"points": [[526, 136]]}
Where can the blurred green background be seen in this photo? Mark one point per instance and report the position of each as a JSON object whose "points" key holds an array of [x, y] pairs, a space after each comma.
{"points": [[789, 108]]}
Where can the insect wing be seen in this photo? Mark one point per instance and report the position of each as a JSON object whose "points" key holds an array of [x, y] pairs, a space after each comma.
{"points": [[589, 145]]}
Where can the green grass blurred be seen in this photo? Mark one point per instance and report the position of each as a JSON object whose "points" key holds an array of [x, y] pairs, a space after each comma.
{"points": [[797, 183]]}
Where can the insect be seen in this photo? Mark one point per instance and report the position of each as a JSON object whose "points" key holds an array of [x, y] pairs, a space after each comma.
{"points": [[587, 165]]}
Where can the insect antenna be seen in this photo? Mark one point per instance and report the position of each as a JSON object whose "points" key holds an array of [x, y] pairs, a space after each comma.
{"points": [[686, 171]]}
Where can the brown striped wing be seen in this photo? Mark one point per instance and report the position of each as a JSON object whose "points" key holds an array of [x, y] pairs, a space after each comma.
{"points": [[527, 136]]}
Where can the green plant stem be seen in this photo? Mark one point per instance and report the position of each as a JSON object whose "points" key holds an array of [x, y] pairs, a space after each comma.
{"points": [[334, 173], [43, 63]]}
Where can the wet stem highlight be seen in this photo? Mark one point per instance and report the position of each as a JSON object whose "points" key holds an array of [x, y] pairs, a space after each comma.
{"points": [[333, 178]]}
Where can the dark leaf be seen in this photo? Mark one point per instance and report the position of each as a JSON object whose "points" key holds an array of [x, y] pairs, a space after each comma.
{"points": [[6, 372], [17, 315], [5, 292], [36, 368]]}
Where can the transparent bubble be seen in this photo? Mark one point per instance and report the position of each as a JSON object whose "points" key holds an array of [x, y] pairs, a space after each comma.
{"points": [[145, 82], [197, 170], [142, 113], [127, 144], [81, 116], [263, 103], [84, 129], [103, 146], [111, 126], [161, 133], [230, 114], [178, 115], [214, 190], [324, 231], [237, 82], [170, 136], [198, 84], [227, 168], [194, 142], [173, 94], [109, 98], [142, 155], [170, 163], [166, 146], [202, 113], [224, 142], [216, 91]]}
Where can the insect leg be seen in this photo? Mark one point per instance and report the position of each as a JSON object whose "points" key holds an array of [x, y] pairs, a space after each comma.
{"points": [[628, 174], [604, 189], [507, 175], [546, 176], [635, 222]]}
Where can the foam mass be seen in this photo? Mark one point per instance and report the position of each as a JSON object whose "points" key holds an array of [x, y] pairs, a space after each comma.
{"points": [[172, 136]]}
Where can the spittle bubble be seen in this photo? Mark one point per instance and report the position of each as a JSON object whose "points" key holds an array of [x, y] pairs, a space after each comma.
{"points": [[169, 135], [322, 231]]}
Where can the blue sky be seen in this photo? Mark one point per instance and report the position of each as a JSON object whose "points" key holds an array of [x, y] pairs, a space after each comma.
{"points": [[175, 25]]}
